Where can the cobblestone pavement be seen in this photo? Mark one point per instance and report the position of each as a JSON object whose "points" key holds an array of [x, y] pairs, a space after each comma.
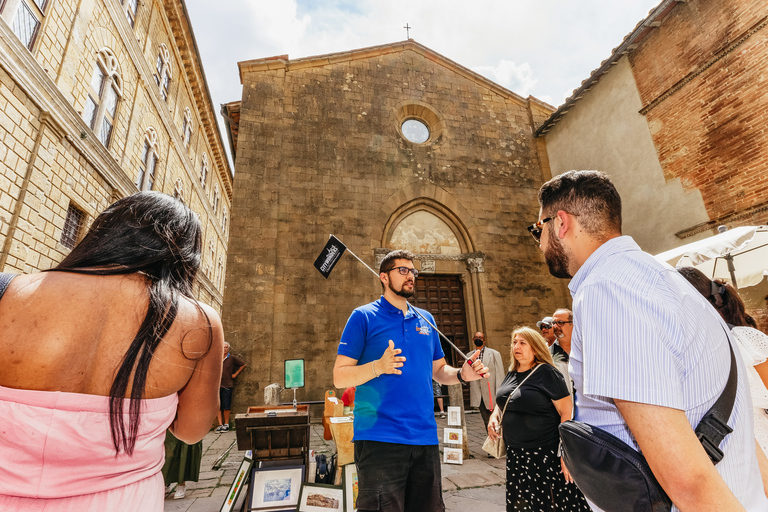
{"points": [[478, 480]]}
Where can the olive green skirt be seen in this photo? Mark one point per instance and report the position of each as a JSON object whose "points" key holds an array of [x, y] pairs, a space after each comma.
{"points": [[182, 461]]}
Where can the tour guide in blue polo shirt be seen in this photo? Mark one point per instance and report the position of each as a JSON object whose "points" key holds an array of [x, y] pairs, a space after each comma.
{"points": [[392, 354]]}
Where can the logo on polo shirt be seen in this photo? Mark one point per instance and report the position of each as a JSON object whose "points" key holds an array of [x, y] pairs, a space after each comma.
{"points": [[423, 329]]}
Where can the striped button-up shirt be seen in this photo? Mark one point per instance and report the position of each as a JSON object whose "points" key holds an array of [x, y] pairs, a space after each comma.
{"points": [[642, 333]]}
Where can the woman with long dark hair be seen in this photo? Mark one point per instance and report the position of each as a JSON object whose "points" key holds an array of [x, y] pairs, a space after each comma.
{"points": [[101, 355], [753, 347]]}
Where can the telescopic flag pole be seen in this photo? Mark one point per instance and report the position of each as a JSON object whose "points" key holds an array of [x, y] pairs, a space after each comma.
{"points": [[330, 256]]}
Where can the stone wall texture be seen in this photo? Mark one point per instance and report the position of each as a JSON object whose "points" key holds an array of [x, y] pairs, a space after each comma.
{"points": [[50, 158], [320, 152]]}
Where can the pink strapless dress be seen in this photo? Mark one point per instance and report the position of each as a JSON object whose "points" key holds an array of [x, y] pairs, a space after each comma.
{"points": [[56, 454]]}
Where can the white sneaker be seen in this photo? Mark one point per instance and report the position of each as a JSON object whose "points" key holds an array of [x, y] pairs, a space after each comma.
{"points": [[181, 491], [219, 429]]}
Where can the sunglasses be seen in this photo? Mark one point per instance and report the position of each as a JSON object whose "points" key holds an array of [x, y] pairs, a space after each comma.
{"points": [[535, 229], [404, 271], [544, 327]]}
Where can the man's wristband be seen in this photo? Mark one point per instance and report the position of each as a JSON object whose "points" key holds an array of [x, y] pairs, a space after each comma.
{"points": [[458, 376]]}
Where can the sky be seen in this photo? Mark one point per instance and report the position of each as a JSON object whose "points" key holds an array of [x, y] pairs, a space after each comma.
{"points": [[543, 48]]}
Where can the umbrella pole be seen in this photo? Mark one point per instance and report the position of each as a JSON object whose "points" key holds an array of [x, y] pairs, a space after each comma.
{"points": [[732, 270]]}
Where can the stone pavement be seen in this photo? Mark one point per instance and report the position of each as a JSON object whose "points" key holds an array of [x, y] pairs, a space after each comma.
{"points": [[479, 480]]}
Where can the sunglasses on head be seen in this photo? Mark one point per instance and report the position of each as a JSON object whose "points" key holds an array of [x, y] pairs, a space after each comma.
{"points": [[535, 229]]}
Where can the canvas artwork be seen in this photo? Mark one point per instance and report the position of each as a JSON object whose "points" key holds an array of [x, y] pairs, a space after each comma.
{"points": [[453, 436], [453, 456], [454, 416], [321, 498], [275, 487], [277, 490], [350, 488]]}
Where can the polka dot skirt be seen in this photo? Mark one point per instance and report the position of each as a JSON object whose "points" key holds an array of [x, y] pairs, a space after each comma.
{"points": [[535, 483]]}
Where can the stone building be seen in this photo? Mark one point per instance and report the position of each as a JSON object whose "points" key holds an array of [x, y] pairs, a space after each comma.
{"points": [[100, 99], [677, 116], [393, 146]]}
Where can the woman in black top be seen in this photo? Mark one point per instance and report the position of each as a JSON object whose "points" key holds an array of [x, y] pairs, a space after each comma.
{"points": [[537, 478]]}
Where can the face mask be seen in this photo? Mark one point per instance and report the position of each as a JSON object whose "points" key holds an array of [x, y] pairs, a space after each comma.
{"points": [[478, 342]]}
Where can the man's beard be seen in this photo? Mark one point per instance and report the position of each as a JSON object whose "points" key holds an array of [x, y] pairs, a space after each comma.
{"points": [[556, 259], [402, 292]]}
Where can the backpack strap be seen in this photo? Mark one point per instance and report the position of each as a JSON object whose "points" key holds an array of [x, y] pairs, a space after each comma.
{"points": [[5, 280], [713, 427]]}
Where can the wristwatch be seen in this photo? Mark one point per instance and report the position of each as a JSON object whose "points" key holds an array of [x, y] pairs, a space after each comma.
{"points": [[458, 376]]}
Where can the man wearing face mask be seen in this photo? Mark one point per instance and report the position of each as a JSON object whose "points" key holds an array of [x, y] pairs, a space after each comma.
{"points": [[482, 393]]}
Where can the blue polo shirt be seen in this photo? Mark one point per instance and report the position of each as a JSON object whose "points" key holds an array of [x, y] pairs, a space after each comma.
{"points": [[393, 408]]}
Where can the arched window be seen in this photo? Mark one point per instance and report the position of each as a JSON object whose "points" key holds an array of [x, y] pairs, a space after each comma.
{"points": [[215, 199], [148, 164], [186, 127], [219, 272], [178, 190], [163, 71], [204, 169], [105, 91], [131, 7], [26, 23]]}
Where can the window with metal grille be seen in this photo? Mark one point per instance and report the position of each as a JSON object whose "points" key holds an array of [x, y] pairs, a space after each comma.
{"points": [[72, 225]]}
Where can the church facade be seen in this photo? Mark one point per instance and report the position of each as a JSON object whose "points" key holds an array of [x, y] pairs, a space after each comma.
{"points": [[388, 147], [101, 99]]}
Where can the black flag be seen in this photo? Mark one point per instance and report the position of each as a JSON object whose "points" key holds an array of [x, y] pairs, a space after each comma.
{"points": [[330, 256]]}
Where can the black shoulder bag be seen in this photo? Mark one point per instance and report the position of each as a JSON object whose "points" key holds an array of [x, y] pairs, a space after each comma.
{"points": [[615, 477]]}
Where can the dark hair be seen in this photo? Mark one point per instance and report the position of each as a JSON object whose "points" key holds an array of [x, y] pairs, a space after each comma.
{"points": [[157, 235], [589, 195], [392, 256], [720, 294]]}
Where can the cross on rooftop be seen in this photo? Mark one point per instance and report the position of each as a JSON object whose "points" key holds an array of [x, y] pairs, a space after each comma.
{"points": [[407, 31]]}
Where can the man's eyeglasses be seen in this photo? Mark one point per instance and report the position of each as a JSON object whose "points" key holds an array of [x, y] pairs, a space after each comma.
{"points": [[535, 229], [404, 271], [562, 322]]}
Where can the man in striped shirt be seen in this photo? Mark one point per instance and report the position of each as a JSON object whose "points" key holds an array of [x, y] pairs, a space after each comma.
{"points": [[649, 355]]}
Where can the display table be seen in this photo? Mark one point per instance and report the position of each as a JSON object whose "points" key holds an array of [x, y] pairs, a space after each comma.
{"points": [[275, 432]]}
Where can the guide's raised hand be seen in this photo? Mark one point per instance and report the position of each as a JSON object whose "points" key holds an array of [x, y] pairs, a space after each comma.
{"points": [[390, 361], [474, 368]]}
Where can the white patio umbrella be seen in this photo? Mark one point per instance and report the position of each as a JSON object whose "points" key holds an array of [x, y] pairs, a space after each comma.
{"points": [[739, 256]]}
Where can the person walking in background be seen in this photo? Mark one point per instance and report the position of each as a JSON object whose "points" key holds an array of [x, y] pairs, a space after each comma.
{"points": [[753, 347], [101, 355], [545, 325], [437, 390], [537, 401], [182, 464], [482, 393], [648, 357], [231, 368]]}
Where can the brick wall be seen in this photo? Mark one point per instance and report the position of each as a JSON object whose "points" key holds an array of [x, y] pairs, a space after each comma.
{"points": [[706, 105]]}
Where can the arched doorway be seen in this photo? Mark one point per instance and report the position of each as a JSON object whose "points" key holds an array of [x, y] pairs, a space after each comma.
{"points": [[449, 283]]}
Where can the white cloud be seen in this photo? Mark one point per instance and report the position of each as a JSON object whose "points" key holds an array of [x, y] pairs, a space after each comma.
{"points": [[518, 79]]}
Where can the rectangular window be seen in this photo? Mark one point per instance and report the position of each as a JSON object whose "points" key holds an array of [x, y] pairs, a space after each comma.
{"points": [[152, 165], [131, 7], [26, 24], [164, 87], [89, 114], [105, 134], [72, 225]]}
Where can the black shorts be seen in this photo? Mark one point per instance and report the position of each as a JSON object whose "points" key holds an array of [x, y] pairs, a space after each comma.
{"points": [[225, 397]]}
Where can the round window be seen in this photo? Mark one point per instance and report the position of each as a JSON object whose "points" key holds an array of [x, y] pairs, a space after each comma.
{"points": [[415, 131]]}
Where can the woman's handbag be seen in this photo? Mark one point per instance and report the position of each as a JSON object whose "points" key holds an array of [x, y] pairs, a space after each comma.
{"points": [[615, 477], [496, 447]]}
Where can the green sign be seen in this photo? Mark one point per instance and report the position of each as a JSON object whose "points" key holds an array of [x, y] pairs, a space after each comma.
{"points": [[294, 373]]}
